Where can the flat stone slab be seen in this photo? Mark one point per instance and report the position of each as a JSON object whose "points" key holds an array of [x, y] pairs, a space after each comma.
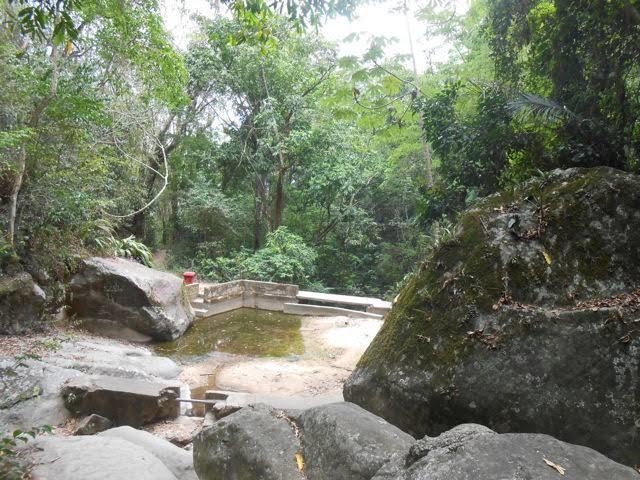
{"points": [[343, 299], [124, 401]]}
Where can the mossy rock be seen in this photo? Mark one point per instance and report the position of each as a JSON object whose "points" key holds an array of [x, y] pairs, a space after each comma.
{"points": [[500, 326], [22, 304]]}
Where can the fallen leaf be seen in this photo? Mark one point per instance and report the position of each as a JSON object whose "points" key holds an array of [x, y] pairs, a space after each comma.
{"points": [[555, 466], [300, 461], [547, 257]]}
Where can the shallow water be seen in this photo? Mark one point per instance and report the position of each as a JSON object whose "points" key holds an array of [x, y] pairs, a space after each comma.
{"points": [[246, 331]]}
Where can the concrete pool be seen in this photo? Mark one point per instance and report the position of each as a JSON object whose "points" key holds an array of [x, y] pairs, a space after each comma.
{"points": [[270, 357], [244, 331]]}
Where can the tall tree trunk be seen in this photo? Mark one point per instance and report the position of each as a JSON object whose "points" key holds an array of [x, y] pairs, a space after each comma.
{"points": [[260, 201], [15, 191], [170, 234], [22, 156], [139, 220], [280, 200], [426, 150]]}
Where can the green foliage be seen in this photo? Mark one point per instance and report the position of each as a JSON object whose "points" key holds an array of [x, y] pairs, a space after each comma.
{"points": [[36, 18], [82, 115], [285, 162], [284, 258], [478, 150], [10, 466], [582, 57], [126, 248]]}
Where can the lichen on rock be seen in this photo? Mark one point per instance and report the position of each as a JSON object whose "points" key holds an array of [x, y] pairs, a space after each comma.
{"points": [[499, 326]]}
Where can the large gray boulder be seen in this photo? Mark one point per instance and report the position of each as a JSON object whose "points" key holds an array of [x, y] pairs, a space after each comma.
{"points": [[123, 401], [256, 442], [524, 320], [94, 458], [124, 296], [179, 461], [22, 304], [342, 440], [473, 452]]}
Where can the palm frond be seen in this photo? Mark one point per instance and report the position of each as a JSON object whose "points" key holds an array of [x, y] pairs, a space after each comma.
{"points": [[535, 107]]}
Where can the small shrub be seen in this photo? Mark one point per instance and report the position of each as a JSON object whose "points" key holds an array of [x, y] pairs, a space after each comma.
{"points": [[284, 258], [11, 468]]}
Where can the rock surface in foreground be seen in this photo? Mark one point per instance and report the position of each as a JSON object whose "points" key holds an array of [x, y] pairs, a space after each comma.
{"points": [[122, 293], [255, 442], [118, 454], [473, 452], [342, 442], [22, 304], [123, 401], [30, 394], [523, 321], [179, 461]]}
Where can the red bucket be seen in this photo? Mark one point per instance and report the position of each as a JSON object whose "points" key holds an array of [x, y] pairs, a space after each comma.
{"points": [[189, 277]]}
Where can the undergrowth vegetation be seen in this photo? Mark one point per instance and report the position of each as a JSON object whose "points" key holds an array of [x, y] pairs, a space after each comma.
{"points": [[258, 150]]}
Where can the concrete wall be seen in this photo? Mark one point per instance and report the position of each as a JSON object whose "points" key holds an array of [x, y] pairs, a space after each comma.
{"points": [[192, 290], [282, 297], [225, 291], [224, 297]]}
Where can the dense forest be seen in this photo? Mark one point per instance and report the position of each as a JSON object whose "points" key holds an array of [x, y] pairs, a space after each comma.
{"points": [[260, 152]]}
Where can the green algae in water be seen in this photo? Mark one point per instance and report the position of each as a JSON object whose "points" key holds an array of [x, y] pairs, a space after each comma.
{"points": [[245, 331]]}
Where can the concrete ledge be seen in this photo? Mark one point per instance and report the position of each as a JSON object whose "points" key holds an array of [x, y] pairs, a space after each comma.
{"points": [[221, 306], [224, 297], [267, 302], [370, 304], [224, 291], [321, 310], [283, 297]]}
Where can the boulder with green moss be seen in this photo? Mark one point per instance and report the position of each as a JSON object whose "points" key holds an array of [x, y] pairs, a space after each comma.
{"points": [[22, 304], [526, 320]]}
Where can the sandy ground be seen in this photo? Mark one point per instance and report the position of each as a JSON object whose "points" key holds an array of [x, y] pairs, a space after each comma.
{"points": [[333, 346]]}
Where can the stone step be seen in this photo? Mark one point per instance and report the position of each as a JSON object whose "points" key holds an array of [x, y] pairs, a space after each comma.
{"points": [[326, 311], [201, 312], [371, 304]]}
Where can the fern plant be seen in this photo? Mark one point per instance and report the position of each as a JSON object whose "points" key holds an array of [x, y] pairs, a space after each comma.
{"points": [[126, 248]]}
